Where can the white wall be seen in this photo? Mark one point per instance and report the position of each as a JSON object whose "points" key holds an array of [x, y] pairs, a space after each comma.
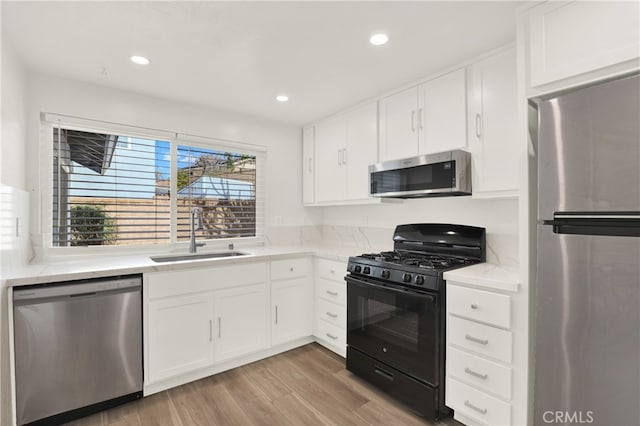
{"points": [[13, 200], [371, 227], [62, 96]]}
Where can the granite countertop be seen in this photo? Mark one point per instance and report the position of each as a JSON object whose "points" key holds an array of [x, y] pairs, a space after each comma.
{"points": [[63, 268], [488, 275]]}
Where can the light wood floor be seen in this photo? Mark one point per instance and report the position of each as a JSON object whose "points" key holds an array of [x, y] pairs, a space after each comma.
{"points": [[305, 386]]}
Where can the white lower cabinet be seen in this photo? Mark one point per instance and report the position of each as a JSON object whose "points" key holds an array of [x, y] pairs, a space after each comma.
{"points": [[179, 335], [330, 321], [479, 355], [199, 320], [291, 300], [241, 324]]}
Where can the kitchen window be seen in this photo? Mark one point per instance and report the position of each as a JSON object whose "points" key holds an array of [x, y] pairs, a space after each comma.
{"points": [[115, 188]]}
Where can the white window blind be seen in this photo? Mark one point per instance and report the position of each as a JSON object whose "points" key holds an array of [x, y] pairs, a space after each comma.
{"points": [[222, 184], [118, 189], [109, 189]]}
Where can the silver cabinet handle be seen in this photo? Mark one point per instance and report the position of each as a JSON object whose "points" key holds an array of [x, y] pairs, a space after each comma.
{"points": [[473, 373], [413, 120], [420, 124], [473, 407], [478, 125], [291, 269], [344, 156], [332, 293], [474, 306], [219, 327], [210, 330], [476, 340], [276, 314], [331, 336], [332, 315]]}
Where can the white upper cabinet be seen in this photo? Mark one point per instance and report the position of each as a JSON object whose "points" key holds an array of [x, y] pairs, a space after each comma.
{"points": [[442, 114], [361, 150], [426, 119], [345, 146], [571, 38], [308, 165], [398, 125], [330, 142], [493, 132]]}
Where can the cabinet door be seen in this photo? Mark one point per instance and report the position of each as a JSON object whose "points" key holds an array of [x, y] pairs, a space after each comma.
{"points": [[442, 116], [240, 321], [493, 133], [362, 149], [308, 166], [571, 38], [398, 125], [330, 141], [180, 335], [292, 309]]}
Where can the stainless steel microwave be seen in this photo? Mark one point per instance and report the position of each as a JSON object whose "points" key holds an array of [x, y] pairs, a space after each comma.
{"points": [[436, 175]]}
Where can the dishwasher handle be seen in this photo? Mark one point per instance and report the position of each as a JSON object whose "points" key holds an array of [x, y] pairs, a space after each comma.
{"points": [[77, 289]]}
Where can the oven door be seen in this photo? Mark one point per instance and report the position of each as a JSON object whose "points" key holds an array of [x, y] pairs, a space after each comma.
{"points": [[394, 325]]}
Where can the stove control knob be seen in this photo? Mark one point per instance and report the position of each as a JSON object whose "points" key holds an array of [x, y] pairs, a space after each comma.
{"points": [[406, 278], [385, 274], [366, 270], [357, 269], [420, 280]]}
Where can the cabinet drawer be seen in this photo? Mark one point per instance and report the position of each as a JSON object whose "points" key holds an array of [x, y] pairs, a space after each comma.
{"points": [[332, 313], [290, 268], [331, 270], [477, 405], [483, 339], [479, 372], [479, 305], [332, 291], [332, 334]]}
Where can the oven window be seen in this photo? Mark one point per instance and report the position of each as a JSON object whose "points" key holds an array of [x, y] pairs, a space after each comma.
{"points": [[395, 326], [419, 178]]}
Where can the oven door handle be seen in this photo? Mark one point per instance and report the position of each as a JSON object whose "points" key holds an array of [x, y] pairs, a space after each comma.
{"points": [[406, 292]]}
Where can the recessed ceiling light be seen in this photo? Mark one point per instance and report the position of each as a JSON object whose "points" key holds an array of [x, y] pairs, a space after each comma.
{"points": [[140, 60], [379, 39], [282, 98]]}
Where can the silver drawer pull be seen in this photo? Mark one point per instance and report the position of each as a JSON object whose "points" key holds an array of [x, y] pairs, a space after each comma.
{"points": [[474, 306], [332, 315], [478, 375], [473, 407], [291, 269], [332, 293], [331, 336], [476, 340]]}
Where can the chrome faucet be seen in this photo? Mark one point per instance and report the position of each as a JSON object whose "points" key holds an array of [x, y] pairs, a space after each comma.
{"points": [[192, 240]]}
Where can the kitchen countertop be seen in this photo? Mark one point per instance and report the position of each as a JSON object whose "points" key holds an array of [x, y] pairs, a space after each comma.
{"points": [[65, 268], [488, 275]]}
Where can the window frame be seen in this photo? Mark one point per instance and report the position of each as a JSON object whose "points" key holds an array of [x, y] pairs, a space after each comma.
{"points": [[49, 122]]}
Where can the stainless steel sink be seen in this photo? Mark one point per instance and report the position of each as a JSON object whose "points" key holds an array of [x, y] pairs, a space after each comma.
{"points": [[196, 256]]}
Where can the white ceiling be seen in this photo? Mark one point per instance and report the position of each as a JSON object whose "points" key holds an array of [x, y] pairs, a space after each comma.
{"points": [[239, 55]]}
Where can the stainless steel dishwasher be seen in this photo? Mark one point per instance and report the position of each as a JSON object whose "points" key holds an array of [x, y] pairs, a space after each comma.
{"points": [[78, 348]]}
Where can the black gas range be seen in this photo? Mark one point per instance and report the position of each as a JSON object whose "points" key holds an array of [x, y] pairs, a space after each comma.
{"points": [[396, 311]]}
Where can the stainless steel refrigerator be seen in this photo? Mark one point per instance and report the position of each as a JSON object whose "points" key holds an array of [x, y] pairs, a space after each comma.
{"points": [[587, 344]]}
